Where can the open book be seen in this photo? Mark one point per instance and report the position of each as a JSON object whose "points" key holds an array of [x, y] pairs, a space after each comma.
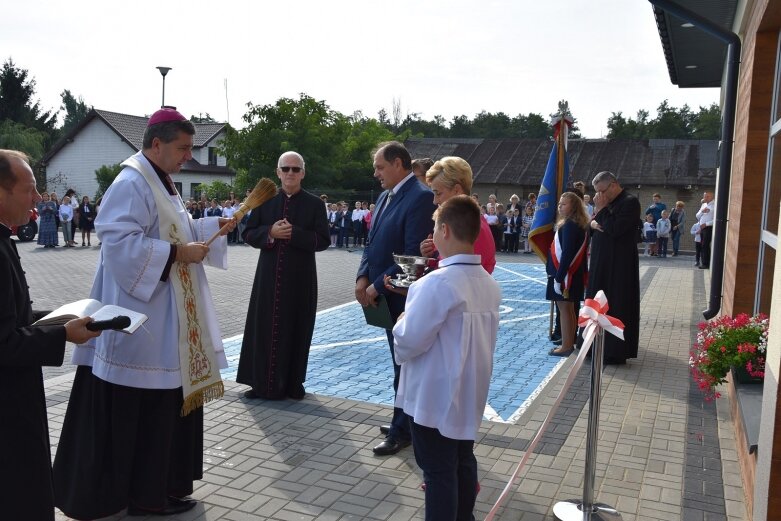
{"points": [[94, 309]]}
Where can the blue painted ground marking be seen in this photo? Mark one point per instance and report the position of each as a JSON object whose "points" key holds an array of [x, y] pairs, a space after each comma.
{"points": [[351, 360]]}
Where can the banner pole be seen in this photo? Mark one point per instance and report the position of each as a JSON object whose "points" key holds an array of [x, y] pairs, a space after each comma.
{"points": [[550, 321], [586, 509]]}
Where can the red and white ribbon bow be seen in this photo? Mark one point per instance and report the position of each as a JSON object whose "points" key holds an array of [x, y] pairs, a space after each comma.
{"points": [[593, 315]]}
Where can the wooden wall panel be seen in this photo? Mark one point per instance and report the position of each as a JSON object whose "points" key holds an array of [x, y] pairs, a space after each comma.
{"points": [[749, 161]]}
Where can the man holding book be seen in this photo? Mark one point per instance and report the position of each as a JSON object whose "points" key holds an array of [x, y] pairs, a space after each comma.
{"points": [[25, 467], [402, 221], [133, 432]]}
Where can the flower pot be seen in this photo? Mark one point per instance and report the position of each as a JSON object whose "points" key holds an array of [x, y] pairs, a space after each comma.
{"points": [[741, 376]]}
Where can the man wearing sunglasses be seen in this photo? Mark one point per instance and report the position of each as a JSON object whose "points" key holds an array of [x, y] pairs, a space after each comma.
{"points": [[288, 230]]}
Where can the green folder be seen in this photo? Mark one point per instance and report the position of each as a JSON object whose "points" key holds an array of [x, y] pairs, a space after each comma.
{"points": [[379, 316]]}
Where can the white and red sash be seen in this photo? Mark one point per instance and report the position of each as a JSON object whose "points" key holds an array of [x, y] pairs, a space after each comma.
{"points": [[556, 252]]}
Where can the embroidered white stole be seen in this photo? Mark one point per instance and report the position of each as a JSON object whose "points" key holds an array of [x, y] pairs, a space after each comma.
{"points": [[201, 381]]}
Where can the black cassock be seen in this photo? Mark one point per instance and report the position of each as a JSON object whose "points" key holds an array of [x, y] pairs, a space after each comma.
{"points": [[281, 314], [25, 461], [615, 269]]}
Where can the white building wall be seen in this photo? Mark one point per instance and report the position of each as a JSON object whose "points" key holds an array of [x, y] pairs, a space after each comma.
{"points": [[187, 179], [202, 154], [75, 164]]}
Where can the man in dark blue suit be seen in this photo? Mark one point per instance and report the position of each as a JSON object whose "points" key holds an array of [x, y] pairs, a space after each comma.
{"points": [[402, 220]]}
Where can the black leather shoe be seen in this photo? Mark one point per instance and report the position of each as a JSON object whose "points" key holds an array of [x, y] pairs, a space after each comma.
{"points": [[390, 446], [385, 429], [568, 352], [173, 506], [251, 394]]}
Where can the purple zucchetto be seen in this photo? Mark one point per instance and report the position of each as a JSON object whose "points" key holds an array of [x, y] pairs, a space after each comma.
{"points": [[165, 114]]}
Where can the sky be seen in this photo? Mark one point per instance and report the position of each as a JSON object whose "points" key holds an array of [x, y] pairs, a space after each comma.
{"points": [[433, 57]]}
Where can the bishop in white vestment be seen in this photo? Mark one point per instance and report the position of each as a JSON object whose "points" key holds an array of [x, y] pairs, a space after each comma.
{"points": [[133, 432]]}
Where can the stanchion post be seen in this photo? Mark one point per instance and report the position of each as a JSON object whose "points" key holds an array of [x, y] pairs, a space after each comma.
{"points": [[586, 509]]}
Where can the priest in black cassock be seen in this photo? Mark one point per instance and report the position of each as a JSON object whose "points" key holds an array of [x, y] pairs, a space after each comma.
{"points": [[288, 230], [615, 266], [26, 490]]}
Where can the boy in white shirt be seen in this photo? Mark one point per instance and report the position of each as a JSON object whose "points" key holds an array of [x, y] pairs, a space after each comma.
{"points": [[444, 342]]}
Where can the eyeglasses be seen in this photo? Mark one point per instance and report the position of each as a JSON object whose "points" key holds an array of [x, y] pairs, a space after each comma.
{"points": [[295, 169]]}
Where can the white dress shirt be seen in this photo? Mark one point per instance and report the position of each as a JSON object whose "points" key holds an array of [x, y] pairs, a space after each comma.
{"points": [[445, 345], [706, 218]]}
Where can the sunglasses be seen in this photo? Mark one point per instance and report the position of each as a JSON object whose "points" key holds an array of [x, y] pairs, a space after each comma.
{"points": [[295, 169]]}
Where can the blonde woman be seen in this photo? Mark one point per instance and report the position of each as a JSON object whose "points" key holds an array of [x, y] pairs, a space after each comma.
{"points": [[452, 176], [566, 267]]}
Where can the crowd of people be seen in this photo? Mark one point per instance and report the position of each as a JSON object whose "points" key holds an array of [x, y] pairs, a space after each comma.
{"points": [[662, 226], [345, 223], [510, 224], [67, 215], [140, 409]]}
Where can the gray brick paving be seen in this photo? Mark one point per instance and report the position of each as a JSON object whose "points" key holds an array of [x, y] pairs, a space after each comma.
{"points": [[312, 460]]}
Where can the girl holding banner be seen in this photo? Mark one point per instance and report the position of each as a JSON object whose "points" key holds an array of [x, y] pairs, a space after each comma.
{"points": [[566, 266]]}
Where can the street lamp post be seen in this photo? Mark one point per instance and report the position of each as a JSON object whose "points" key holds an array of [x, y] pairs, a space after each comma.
{"points": [[163, 71]]}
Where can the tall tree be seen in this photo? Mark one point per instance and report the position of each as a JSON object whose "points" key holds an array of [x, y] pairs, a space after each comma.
{"points": [[17, 90], [16, 136], [707, 123], [365, 134], [75, 111], [305, 125], [531, 126], [419, 127], [490, 125], [105, 175], [672, 123], [620, 127], [461, 126]]}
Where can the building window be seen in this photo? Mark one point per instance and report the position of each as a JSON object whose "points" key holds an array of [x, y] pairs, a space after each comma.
{"points": [[769, 237], [178, 186], [195, 190], [212, 156]]}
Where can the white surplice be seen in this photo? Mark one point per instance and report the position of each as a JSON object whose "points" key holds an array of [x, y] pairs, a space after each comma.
{"points": [[132, 259], [445, 345]]}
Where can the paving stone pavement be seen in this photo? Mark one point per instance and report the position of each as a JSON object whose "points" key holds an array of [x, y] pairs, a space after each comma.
{"points": [[312, 460]]}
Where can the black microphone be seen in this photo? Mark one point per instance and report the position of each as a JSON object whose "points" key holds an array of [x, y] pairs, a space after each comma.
{"points": [[118, 322]]}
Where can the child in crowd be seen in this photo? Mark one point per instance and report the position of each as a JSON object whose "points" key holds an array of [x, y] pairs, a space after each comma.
{"points": [[333, 227], [649, 233], [697, 243], [66, 218], [496, 228], [444, 342], [663, 229], [526, 226], [517, 229], [509, 228], [344, 222]]}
